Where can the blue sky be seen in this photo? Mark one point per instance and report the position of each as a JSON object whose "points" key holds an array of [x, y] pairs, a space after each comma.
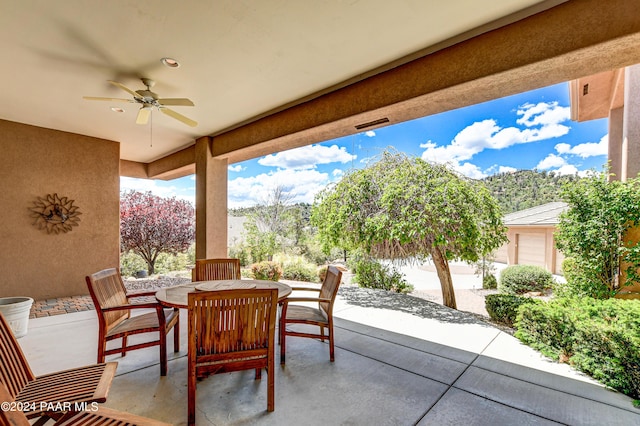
{"points": [[532, 130]]}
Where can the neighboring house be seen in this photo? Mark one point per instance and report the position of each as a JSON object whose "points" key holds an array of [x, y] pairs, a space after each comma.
{"points": [[235, 230], [531, 237]]}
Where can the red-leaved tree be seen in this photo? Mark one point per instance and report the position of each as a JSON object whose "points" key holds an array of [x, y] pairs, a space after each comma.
{"points": [[150, 225]]}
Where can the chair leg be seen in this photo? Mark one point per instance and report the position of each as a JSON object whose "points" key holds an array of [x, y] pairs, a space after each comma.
{"points": [[271, 386], [191, 395], [176, 336], [102, 347], [123, 351], [283, 342], [322, 333], [258, 373], [331, 349], [163, 352]]}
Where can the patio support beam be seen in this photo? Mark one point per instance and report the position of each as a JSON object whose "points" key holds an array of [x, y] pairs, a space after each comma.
{"points": [[211, 202], [631, 124], [573, 39], [616, 120]]}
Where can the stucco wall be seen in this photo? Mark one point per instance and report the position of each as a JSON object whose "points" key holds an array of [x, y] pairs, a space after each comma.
{"points": [[35, 162]]}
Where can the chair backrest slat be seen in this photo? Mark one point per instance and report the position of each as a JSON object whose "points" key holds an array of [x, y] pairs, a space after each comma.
{"points": [[107, 290], [329, 288], [15, 372], [216, 269], [10, 416], [232, 320]]}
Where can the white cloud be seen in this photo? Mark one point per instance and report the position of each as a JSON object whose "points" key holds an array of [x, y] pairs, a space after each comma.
{"points": [[302, 185], [156, 187], [567, 169], [507, 169], [542, 121], [542, 114], [562, 148], [470, 170], [307, 157], [370, 133], [551, 161], [236, 168], [585, 150]]}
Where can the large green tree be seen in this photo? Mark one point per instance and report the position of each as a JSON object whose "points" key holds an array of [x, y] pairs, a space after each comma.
{"points": [[403, 208]]}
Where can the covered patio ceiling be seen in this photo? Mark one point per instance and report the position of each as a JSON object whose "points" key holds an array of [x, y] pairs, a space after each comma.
{"points": [[271, 75]]}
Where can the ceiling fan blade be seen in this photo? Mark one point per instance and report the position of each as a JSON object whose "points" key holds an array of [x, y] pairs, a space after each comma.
{"points": [[176, 101], [97, 98], [180, 117], [125, 88], [143, 115]]}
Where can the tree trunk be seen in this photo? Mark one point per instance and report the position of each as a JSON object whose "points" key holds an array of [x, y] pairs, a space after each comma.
{"points": [[444, 274]]}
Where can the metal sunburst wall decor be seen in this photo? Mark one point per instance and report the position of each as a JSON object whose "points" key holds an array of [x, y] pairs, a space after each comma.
{"points": [[55, 214]]}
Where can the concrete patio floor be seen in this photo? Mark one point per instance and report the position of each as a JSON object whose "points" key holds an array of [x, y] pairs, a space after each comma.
{"points": [[400, 360]]}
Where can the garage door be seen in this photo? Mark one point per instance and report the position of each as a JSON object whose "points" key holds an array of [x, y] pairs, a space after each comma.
{"points": [[531, 249]]}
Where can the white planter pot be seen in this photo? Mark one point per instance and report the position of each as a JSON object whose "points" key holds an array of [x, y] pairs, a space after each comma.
{"points": [[16, 311]]}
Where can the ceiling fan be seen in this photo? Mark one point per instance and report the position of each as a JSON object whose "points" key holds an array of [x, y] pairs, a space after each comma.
{"points": [[149, 100]]}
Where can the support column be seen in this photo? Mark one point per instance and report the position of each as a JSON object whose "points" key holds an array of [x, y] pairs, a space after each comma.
{"points": [[616, 123], [211, 202], [631, 123], [631, 152]]}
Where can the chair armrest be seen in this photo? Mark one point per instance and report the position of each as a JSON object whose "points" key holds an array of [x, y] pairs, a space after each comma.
{"points": [[148, 305], [306, 289], [306, 299], [142, 293]]}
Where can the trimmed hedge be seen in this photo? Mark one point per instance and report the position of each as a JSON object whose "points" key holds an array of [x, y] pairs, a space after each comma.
{"points": [[599, 337], [504, 307], [519, 279]]}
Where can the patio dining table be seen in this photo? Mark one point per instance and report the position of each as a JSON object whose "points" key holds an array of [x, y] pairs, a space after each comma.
{"points": [[177, 297]]}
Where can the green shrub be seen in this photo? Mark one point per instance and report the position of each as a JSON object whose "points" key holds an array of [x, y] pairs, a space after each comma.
{"points": [[489, 282], [599, 337], [130, 263], [370, 273], [547, 327], [240, 252], [297, 268], [266, 270], [578, 283], [322, 272], [504, 307], [519, 279]]}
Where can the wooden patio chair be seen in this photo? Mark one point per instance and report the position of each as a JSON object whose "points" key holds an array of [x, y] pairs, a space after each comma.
{"points": [[114, 306], [322, 316], [11, 414], [216, 269], [37, 395], [231, 330]]}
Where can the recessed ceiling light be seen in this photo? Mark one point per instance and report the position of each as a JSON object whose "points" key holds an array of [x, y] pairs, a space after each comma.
{"points": [[170, 62], [117, 109]]}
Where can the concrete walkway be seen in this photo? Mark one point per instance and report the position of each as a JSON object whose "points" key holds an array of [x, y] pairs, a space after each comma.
{"points": [[400, 360]]}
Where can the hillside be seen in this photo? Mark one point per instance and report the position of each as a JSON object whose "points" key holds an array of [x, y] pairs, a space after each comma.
{"points": [[526, 188], [514, 191]]}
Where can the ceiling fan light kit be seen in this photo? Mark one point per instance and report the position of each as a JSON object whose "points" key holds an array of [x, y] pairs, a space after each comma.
{"points": [[149, 100]]}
